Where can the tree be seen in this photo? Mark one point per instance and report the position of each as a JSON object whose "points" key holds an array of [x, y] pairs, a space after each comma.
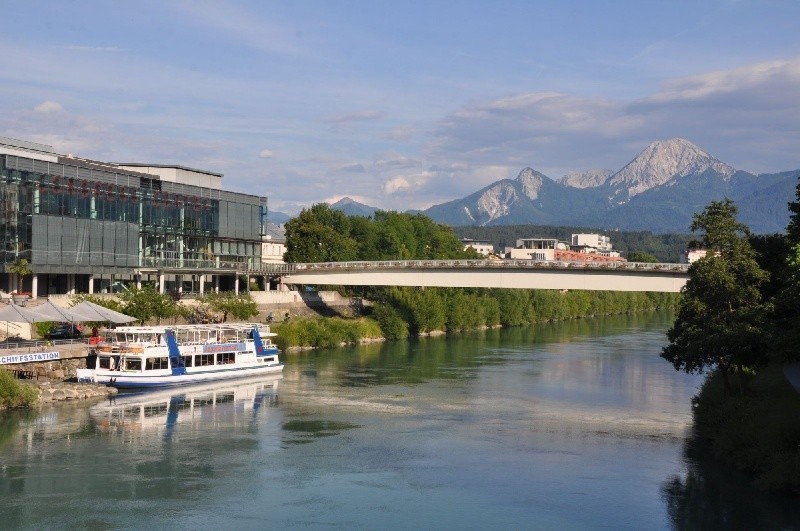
{"points": [[788, 299], [146, 303], [793, 230], [22, 269], [319, 234], [241, 306], [721, 314], [641, 256]]}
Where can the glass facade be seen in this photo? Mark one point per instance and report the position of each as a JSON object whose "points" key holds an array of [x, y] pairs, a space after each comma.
{"points": [[82, 217]]}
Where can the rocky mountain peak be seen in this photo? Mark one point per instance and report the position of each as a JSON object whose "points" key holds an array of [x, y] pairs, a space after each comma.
{"points": [[663, 161], [531, 181], [586, 179]]}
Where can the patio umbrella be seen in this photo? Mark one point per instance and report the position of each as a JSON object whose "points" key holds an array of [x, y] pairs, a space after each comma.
{"points": [[95, 312], [17, 314], [11, 313], [57, 313]]}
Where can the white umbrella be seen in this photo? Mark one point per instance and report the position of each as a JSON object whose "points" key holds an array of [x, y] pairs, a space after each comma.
{"points": [[95, 312], [17, 314], [11, 313], [57, 313]]}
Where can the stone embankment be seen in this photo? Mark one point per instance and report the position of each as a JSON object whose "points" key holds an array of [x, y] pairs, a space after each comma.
{"points": [[56, 391]]}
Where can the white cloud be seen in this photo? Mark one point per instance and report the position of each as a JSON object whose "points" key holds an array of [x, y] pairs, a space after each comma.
{"points": [[403, 133], [722, 112], [395, 160], [393, 185], [48, 107], [265, 154], [407, 183], [357, 116]]}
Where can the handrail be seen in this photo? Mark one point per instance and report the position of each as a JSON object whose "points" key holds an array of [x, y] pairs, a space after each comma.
{"points": [[299, 268]]}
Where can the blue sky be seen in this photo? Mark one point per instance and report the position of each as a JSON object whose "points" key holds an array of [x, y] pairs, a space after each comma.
{"points": [[400, 104]]}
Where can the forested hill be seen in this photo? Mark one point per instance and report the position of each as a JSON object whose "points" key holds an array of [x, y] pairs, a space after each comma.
{"points": [[665, 247]]}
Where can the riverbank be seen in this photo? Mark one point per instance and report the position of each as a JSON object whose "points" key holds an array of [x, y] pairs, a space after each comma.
{"points": [[15, 393]]}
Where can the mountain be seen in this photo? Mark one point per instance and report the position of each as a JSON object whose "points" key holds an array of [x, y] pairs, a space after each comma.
{"points": [[586, 179], [353, 208], [528, 199], [279, 218], [659, 190], [662, 162]]}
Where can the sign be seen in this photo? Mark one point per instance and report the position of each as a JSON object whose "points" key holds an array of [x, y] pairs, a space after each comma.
{"points": [[224, 347], [27, 358]]}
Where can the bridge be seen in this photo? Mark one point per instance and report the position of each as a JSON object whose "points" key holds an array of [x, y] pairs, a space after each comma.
{"points": [[515, 274]]}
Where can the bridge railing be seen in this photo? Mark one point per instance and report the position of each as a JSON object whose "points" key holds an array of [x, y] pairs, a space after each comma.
{"points": [[288, 269]]}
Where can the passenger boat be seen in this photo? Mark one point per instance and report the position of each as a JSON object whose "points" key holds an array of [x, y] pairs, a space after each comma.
{"points": [[162, 356]]}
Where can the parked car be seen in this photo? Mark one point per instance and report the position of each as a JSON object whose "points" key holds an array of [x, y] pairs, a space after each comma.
{"points": [[64, 331]]}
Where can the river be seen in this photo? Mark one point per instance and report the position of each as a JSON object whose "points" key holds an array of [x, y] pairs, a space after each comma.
{"points": [[577, 425]]}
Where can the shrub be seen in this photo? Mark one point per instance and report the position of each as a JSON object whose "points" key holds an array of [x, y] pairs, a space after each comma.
{"points": [[391, 324], [14, 393]]}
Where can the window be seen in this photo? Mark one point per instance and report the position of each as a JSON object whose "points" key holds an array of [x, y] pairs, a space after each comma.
{"points": [[152, 364], [202, 360], [224, 358], [133, 364]]}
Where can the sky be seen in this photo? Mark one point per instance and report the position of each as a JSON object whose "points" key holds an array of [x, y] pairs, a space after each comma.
{"points": [[403, 104]]}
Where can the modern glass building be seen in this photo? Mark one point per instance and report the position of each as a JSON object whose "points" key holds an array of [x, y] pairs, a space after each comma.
{"points": [[87, 226]]}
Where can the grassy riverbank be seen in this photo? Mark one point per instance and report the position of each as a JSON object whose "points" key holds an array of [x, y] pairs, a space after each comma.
{"points": [[759, 431], [14, 393], [399, 313], [325, 332]]}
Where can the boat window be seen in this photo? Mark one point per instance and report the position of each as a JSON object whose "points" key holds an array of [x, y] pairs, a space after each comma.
{"points": [[271, 358], [151, 364], [133, 364], [102, 362], [226, 357], [187, 361], [201, 360]]}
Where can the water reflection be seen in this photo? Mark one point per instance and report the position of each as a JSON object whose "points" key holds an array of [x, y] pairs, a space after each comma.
{"points": [[95, 464], [710, 495], [132, 414]]}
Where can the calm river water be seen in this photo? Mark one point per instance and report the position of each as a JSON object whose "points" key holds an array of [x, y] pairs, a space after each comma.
{"points": [[577, 425]]}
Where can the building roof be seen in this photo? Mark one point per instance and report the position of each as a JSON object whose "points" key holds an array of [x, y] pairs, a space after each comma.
{"points": [[168, 166]]}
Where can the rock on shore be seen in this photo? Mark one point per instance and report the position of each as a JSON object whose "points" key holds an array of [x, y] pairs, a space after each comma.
{"points": [[54, 391]]}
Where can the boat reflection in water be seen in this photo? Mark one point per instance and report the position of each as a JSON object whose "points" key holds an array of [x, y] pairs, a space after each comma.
{"points": [[155, 411]]}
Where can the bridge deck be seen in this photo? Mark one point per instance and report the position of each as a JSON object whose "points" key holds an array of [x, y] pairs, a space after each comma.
{"points": [[521, 274]]}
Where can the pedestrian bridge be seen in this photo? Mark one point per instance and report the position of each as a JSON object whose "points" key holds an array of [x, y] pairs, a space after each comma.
{"points": [[515, 274]]}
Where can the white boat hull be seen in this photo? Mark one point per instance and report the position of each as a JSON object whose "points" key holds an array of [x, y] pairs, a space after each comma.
{"points": [[145, 381]]}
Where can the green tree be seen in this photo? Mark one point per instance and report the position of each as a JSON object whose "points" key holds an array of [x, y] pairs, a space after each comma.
{"points": [[241, 306], [319, 234], [21, 268], [788, 299], [721, 314], [641, 256], [147, 303]]}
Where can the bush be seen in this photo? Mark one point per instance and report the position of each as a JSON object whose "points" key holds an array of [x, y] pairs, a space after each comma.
{"points": [[391, 324], [14, 393], [323, 333]]}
